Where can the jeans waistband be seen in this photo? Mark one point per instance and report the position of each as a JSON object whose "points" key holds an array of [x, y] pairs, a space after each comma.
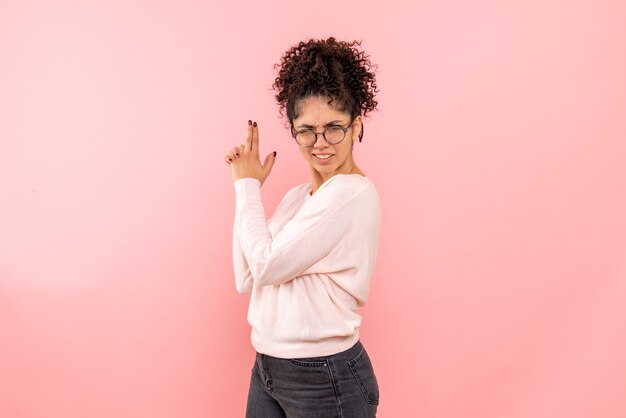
{"points": [[348, 354]]}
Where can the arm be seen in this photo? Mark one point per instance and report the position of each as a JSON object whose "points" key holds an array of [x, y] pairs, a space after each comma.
{"points": [[243, 277], [306, 239]]}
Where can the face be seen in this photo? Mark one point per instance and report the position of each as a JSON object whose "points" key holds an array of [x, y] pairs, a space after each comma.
{"points": [[317, 114]]}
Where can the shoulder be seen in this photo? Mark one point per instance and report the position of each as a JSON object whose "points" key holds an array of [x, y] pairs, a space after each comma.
{"points": [[358, 201], [348, 190], [353, 185]]}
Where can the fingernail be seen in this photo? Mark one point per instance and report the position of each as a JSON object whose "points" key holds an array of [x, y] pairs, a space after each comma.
{"points": [[249, 122], [230, 159], [274, 153], [237, 154], [254, 124]]}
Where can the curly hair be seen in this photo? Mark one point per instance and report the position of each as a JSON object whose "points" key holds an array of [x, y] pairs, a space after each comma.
{"points": [[330, 68]]}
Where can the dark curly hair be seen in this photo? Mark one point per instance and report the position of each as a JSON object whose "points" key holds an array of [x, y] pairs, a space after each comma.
{"points": [[330, 68]]}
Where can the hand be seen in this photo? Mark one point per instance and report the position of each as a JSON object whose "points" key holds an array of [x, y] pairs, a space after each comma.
{"points": [[244, 160]]}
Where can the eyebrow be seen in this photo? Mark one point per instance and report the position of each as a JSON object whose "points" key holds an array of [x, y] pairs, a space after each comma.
{"points": [[304, 125]]}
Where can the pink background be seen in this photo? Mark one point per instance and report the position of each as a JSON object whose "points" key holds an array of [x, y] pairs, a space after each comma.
{"points": [[498, 151]]}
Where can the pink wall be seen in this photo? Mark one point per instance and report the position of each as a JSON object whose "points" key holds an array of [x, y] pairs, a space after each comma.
{"points": [[498, 150]]}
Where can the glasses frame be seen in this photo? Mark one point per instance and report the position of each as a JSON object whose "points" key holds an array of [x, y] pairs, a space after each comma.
{"points": [[295, 133]]}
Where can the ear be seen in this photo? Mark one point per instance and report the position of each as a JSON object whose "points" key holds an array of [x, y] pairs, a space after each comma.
{"points": [[358, 128]]}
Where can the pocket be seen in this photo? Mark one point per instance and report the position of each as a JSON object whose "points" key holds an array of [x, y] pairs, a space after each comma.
{"points": [[363, 372], [306, 374]]}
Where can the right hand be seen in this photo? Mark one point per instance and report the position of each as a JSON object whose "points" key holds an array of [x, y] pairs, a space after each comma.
{"points": [[244, 160]]}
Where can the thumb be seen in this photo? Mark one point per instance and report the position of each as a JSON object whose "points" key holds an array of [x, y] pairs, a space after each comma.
{"points": [[269, 162]]}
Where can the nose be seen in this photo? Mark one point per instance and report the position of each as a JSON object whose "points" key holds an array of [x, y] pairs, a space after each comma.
{"points": [[317, 135]]}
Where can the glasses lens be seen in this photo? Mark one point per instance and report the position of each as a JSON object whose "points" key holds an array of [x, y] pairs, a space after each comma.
{"points": [[334, 135], [306, 138]]}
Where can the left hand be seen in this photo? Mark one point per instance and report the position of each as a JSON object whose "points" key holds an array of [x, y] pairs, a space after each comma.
{"points": [[244, 160]]}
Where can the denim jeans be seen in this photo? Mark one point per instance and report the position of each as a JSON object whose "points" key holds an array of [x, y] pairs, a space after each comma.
{"points": [[342, 385]]}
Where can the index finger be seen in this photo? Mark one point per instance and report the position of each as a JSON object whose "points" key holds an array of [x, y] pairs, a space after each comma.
{"points": [[255, 137], [249, 137]]}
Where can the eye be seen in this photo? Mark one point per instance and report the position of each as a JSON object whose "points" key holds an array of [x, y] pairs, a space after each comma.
{"points": [[304, 132]]}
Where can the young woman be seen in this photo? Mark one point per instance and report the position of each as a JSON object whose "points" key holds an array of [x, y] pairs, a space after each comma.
{"points": [[308, 269]]}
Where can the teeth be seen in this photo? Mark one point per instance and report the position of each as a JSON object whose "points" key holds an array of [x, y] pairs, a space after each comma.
{"points": [[323, 156]]}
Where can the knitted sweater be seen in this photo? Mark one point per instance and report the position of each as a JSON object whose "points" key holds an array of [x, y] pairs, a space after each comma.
{"points": [[308, 269]]}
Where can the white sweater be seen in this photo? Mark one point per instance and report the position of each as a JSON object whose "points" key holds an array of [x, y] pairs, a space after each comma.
{"points": [[308, 269]]}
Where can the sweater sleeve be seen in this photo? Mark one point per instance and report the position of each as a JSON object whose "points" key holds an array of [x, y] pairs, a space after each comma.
{"points": [[243, 277], [306, 239]]}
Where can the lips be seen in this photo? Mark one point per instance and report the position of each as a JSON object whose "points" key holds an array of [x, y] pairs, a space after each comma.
{"points": [[324, 157]]}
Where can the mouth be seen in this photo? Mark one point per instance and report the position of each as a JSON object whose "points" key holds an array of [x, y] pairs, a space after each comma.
{"points": [[323, 157]]}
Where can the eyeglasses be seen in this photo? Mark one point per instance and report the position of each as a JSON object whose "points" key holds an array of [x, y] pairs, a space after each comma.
{"points": [[333, 135]]}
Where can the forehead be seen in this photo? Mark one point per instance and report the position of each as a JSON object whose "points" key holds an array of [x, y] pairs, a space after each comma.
{"points": [[317, 110]]}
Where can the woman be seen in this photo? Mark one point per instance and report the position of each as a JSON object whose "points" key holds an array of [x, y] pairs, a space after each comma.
{"points": [[308, 269]]}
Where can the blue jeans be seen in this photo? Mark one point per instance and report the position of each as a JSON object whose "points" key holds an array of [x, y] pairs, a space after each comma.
{"points": [[342, 385]]}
